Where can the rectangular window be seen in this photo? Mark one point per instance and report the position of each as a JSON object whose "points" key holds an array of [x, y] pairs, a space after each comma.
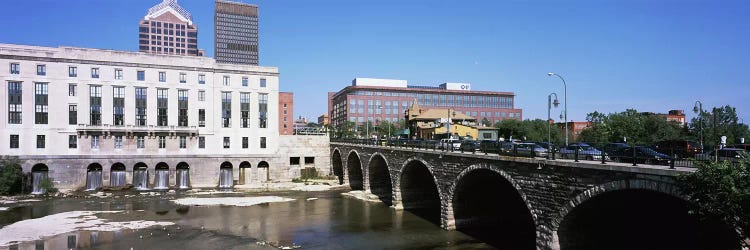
{"points": [[94, 72], [244, 142], [72, 89], [118, 141], [41, 99], [95, 142], [39, 141], [72, 141], [263, 142], [226, 81], [226, 142], [14, 102], [294, 161], [201, 95], [183, 78], [140, 106], [244, 82], [162, 142], [118, 105], [161, 107], [118, 74], [201, 117], [95, 102], [244, 110], [141, 75], [309, 160], [162, 76], [41, 70], [201, 142], [263, 110], [226, 109], [201, 79], [72, 71], [263, 82], [182, 108], [183, 142], [140, 142], [15, 68], [72, 114], [13, 141]]}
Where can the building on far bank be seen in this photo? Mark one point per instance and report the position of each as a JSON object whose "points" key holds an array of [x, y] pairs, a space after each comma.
{"points": [[674, 115], [168, 28], [323, 120], [90, 117], [235, 32], [431, 124], [286, 113], [574, 128], [374, 100]]}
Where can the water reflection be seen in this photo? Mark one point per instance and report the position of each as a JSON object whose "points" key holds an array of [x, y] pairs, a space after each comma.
{"points": [[331, 221]]}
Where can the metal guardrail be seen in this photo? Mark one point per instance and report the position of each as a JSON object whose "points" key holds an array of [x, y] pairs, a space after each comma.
{"points": [[515, 151]]}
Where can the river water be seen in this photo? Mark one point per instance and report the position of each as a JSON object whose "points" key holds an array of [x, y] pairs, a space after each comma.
{"points": [[313, 220]]}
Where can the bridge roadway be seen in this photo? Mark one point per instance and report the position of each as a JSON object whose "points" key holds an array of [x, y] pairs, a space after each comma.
{"points": [[533, 203]]}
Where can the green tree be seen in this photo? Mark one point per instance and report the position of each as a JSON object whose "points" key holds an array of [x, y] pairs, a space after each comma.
{"points": [[717, 122], [721, 189], [11, 176], [345, 130], [636, 127], [486, 123], [386, 127], [510, 128], [529, 130]]}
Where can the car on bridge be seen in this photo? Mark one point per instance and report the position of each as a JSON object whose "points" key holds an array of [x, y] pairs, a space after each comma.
{"points": [[616, 148], [489, 146], [585, 151], [643, 155], [469, 145], [449, 144], [530, 149], [682, 148], [724, 154]]}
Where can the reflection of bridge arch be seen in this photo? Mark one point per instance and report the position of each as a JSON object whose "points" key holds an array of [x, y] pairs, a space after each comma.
{"points": [[354, 170], [417, 190], [637, 214], [489, 205], [338, 166], [380, 178]]}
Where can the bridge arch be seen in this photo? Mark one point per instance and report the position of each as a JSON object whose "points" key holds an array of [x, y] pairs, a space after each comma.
{"points": [[636, 214], [379, 176], [338, 166], [417, 190], [354, 170], [489, 205]]}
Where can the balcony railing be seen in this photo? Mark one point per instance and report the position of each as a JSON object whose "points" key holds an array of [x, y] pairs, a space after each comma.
{"points": [[108, 129]]}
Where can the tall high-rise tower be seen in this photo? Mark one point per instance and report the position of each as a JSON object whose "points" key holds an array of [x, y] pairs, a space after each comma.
{"points": [[168, 28], [236, 32]]}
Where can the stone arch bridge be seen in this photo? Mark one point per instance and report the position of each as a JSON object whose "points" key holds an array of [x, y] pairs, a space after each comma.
{"points": [[532, 203]]}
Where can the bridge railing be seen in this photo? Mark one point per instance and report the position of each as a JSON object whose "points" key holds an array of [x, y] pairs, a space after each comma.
{"points": [[524, 150]]}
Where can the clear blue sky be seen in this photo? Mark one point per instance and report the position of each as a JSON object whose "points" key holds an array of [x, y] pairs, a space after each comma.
{"points": [[642, 54]]}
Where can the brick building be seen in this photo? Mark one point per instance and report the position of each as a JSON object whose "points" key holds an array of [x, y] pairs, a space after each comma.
{"points": [[286, 113]]}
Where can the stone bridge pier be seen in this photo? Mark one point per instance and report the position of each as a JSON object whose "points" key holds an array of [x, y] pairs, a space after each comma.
{"points": [[525, 203]]}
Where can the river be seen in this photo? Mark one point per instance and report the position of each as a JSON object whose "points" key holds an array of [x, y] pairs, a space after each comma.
{"points": [[312, 220]]}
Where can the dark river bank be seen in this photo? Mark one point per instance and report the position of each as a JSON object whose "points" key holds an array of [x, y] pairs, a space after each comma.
{"points": [[313, 220]]}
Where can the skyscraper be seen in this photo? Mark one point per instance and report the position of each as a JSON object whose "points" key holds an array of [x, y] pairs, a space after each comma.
{"points": [[168, 28], [236, 33]]}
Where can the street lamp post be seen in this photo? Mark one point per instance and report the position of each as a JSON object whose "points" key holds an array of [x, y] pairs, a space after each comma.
{"points": [[549, 125], [698, 109], [565, 96]]}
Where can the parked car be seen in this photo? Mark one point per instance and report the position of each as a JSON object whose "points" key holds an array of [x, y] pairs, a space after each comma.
{"points": [[489, 146], [548, 145], [469, 145], [530, 149], [746, 147], [585, 151], [643, 155], [724, 154], [506, 147], [682, 148], [449, 144], [613, 149]]}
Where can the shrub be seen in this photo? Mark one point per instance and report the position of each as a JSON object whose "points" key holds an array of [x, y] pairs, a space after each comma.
{"points": [[48, 186], [11, 177]]}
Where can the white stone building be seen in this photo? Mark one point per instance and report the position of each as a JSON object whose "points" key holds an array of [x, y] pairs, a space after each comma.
{"points": [[92, 117]]}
